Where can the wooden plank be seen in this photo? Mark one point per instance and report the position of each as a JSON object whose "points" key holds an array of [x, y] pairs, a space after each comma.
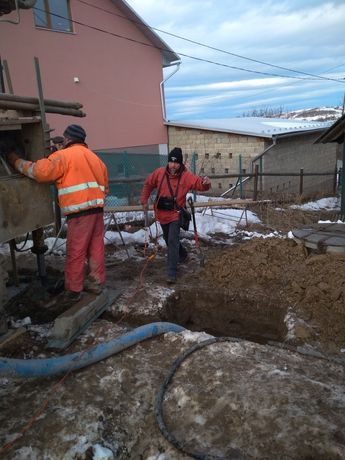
{"points": [[197, 204], [11, 335]]}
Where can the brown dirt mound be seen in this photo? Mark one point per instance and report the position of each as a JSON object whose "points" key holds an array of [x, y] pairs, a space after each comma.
{"points": [[312, 285]]}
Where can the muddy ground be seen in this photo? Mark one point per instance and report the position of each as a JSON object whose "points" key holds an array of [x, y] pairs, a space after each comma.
{"points": [[275, 392]]}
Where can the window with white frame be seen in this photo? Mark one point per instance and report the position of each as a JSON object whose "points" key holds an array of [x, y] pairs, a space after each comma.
{"points": [[53, 15]]}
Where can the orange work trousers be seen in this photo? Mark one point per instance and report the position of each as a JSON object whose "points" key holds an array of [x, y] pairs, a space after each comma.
{"points": [[84, 251]]}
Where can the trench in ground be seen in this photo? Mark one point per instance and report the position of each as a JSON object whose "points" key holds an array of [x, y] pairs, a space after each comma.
{"points": [[250, 316]]}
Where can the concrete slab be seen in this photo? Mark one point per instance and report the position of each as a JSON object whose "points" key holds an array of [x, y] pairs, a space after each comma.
{"points": [[75, 320], [322, 237]]}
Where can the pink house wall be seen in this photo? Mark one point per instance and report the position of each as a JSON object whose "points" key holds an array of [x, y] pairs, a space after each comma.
{"points": [[119, 79]]}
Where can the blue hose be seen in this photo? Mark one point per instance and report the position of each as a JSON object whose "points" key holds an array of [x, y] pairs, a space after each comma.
{"points": [[63, 364]]}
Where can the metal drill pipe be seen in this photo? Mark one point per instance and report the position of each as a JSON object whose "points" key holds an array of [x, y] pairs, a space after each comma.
{"points": [[34, 100], [12, 105]]}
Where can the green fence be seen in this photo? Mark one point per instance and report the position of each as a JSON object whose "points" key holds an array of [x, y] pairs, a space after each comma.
{"points": [[127, 172]]}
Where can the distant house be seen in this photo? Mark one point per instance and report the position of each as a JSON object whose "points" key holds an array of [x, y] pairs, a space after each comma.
{"points": [[231, 146], [99, 53]]}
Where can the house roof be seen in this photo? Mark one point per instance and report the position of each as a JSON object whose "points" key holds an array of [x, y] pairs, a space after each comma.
{"points": [[168, 55], [335, 133], [254, 126]]}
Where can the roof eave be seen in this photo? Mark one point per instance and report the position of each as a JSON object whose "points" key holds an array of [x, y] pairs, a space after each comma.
{"points": [[168, 55], [334, 133], [245, 133]]}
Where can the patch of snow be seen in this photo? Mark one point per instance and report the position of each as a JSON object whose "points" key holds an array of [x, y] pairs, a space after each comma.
{"points": [[331, 203], [102, 453], [21, 322], [250, 235], [43, 330], [56, 246], [189, 336], [157, 457], [290, 321], [330, 222], [27, 453]]}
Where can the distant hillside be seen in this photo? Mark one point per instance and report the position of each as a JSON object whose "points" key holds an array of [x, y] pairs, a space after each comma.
{"points": [[315, 114]]}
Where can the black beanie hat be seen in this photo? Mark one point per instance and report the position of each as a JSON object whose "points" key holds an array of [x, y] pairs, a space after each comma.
{"points": [[176, 155], [75, 133]]}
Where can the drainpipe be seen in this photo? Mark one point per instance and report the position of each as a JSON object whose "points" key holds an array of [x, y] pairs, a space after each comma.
{"points": [[260, 156], [161, 85]]}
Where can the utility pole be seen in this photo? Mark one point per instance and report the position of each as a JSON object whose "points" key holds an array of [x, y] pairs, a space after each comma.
{"points": [[342, 182]]}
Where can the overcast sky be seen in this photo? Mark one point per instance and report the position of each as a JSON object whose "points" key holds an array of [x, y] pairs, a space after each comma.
{"points": [[301, 35]]}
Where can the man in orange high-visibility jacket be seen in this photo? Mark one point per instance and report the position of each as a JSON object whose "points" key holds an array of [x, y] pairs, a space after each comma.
{"points": [[81, 180]]}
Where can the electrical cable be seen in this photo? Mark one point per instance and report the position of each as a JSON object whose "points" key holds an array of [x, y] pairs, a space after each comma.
{"points": [[208, 46], [150, 45], [158, 408]]}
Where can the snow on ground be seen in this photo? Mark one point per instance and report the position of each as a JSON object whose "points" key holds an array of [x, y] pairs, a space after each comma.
{"points": [[209, 221], [332, 203]]}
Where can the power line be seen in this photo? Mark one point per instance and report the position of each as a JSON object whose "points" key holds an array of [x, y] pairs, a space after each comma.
{"points": [[183, 54], [212, 47]]}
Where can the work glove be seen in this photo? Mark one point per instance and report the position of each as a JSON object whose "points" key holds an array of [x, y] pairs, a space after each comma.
{"points": [[8, 150], [12, 157]]}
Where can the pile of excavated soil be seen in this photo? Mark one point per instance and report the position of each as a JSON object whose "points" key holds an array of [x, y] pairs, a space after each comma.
{"points": [[312, 285]]}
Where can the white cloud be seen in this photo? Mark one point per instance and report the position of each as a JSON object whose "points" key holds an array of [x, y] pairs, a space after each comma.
{"points": [[304, 35]]}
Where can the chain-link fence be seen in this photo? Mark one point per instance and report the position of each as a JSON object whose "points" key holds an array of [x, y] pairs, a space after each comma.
{"points": [[127, 173]]}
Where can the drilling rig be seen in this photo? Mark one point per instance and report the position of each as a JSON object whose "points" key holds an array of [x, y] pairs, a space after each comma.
{"points": [[25, 205]]}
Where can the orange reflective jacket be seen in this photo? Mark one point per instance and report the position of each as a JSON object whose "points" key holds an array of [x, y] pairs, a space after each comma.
{"points": [[79, 175]]}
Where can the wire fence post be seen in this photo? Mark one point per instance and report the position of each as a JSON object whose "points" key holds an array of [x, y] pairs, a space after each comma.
{"points": [[301, 182], [193, 167], [335, 180], [342, 185], [126, 174], [240, 171], [256, 177]]}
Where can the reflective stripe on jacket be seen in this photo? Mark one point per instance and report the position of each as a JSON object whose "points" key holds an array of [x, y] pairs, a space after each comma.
{"points": [[188, 181], [80, 176]]}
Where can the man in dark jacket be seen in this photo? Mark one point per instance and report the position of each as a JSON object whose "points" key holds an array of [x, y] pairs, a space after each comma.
{"points": [[173, 183]]}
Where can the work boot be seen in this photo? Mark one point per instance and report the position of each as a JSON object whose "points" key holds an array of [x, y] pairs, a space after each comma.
{"points": [[68, 298], [93, 287]]}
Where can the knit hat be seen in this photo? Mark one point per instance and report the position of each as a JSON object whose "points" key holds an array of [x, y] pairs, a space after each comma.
{"points": [[176, 155], [75, 133]]}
